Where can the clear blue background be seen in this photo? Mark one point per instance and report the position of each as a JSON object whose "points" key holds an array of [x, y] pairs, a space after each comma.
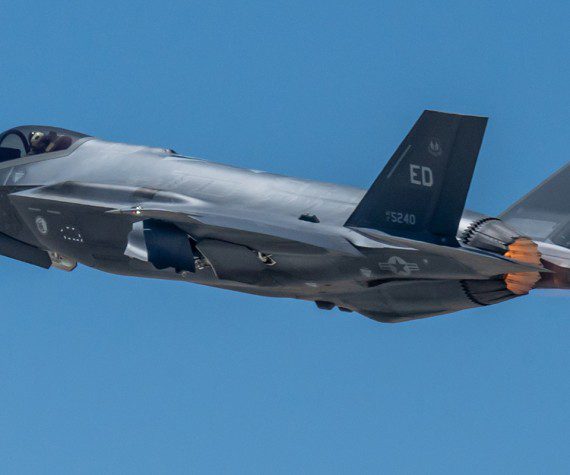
{"points": [[101, 374]]}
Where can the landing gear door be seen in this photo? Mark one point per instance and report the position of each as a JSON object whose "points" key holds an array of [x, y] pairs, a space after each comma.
{"points": [[234, 262]]}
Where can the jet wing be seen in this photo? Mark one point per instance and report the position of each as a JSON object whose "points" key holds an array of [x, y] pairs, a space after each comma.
{"points": [[322, 236], [196, 216], [482, 263]]}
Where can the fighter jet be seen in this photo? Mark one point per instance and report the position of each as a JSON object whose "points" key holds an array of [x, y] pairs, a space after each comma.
{"points": [[404, 249]]}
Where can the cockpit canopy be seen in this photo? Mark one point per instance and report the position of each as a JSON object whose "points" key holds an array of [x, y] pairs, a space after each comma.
{"points": [[35, 140]]}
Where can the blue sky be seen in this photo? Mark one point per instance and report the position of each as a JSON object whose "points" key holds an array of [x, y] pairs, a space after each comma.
{"points": [[100, 373]]}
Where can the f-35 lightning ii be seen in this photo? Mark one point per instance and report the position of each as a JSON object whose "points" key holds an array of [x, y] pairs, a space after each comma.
{"points": [[405, 249]]}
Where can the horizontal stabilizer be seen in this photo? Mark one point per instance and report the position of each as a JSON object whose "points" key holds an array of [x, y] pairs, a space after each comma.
{"points": [[544, 213], [481, 263], [421, 192]]}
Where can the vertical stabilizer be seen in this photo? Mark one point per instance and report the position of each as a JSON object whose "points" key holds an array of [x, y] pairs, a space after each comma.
{"points": [[421, 192]]}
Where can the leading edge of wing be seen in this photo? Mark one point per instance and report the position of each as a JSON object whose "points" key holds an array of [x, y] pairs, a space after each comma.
{"points": [[332, 238], [181, 209]]}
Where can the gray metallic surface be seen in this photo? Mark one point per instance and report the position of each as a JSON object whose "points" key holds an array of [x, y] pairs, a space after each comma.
{"points": [[148, 212]]}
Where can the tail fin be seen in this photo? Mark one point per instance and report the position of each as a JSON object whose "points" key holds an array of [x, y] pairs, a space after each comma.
{"points": [[544, 213], [421, 192]]}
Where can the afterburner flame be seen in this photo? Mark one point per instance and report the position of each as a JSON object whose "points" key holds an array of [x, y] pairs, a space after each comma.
{"points": [[523, 250]]}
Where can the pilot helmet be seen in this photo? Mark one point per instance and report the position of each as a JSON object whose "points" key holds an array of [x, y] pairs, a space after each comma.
{"points": [[36, 138]]}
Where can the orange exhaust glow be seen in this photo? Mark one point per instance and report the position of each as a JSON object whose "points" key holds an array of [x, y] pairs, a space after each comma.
{"points": [[523, 250]]}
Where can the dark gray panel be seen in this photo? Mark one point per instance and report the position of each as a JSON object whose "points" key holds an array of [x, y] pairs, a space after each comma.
{"points": [[421, 192], [402, 300], [23, 252], [233, 262]]}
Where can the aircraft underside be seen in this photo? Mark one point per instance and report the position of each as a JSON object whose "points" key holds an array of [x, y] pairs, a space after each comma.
{"points": [[405, 249]]}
